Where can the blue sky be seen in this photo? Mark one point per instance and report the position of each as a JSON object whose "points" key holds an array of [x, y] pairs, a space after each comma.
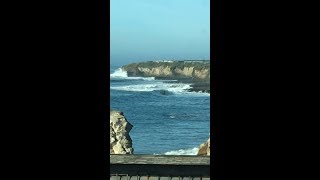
{"points": [[143, 30]]}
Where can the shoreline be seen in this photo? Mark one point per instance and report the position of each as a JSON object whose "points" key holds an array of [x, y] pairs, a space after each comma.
{"points": [[196, 84], [194, 72]]}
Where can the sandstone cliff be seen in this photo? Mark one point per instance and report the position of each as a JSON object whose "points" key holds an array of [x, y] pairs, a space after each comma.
{"points": [[204, 148], [199, 70], [120, 141]]}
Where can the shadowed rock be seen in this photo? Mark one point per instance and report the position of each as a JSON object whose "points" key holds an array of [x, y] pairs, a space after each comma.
{"points": [[204, 148]]}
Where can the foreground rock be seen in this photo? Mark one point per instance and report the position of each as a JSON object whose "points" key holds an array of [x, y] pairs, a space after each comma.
{"points": [[204, 148], [120, 141]]}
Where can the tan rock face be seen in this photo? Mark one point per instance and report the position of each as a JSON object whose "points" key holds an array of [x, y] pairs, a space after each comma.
{"points": [[197, 70], [204, 148], [167, 72], [202, 74], [158, 71], [120, 141], [186, 71]]}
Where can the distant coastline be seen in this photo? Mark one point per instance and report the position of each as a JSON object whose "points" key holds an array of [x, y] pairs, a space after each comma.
{"points": [[195, 72]]}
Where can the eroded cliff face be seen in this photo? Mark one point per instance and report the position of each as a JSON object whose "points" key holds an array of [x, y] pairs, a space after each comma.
{"points": [[155, 71], [204, 148], [120, 141], [176, 69]]}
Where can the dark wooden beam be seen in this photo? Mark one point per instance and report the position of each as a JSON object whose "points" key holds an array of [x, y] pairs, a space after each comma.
{"points": [[160, 165]]}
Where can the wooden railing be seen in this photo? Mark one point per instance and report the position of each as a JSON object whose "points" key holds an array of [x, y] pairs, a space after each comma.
{"points": [[156, 166]]}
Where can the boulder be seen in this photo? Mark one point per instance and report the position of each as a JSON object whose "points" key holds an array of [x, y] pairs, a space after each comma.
{"points": [[120, 141], [204, 149]]}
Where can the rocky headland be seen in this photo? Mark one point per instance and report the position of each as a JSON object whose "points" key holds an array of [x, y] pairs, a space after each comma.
{"points": [[120, 141], [196, 73]]}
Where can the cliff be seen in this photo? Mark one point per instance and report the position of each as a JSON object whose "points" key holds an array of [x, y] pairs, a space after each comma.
{"points": [[199, 70], [120, 141], [195, 72]]}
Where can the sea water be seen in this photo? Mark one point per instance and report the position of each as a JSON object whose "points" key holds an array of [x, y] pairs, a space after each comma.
{"points": [[166, 117]]}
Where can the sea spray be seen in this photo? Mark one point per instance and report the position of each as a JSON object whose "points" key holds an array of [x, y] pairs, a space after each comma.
{"points": [[191, 151]]}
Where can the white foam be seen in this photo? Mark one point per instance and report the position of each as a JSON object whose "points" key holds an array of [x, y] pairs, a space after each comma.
{"points": [[177, 88], [156, 85], [191, 151], [121, 74], [197, 93]]}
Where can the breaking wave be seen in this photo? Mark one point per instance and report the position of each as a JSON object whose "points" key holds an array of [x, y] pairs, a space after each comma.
{"points": [[163, 87], [191, 151], [121, 74], [156, 86]]}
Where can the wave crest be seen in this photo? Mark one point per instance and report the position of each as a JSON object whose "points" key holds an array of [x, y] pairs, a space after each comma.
{"points": [[191, 151], [159, 86], [121, 74]]}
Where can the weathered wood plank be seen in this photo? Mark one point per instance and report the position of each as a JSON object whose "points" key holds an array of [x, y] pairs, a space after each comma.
{"points": [[125, 177], [161, 170], [159, 159]]}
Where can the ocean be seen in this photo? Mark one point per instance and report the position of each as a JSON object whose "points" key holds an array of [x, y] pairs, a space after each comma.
{"points": [[166, 118]]}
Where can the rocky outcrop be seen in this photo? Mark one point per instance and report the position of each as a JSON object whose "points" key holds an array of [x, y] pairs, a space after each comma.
{"points": [[120, 141], [196, 73], [172, 70], [204, 148]]}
